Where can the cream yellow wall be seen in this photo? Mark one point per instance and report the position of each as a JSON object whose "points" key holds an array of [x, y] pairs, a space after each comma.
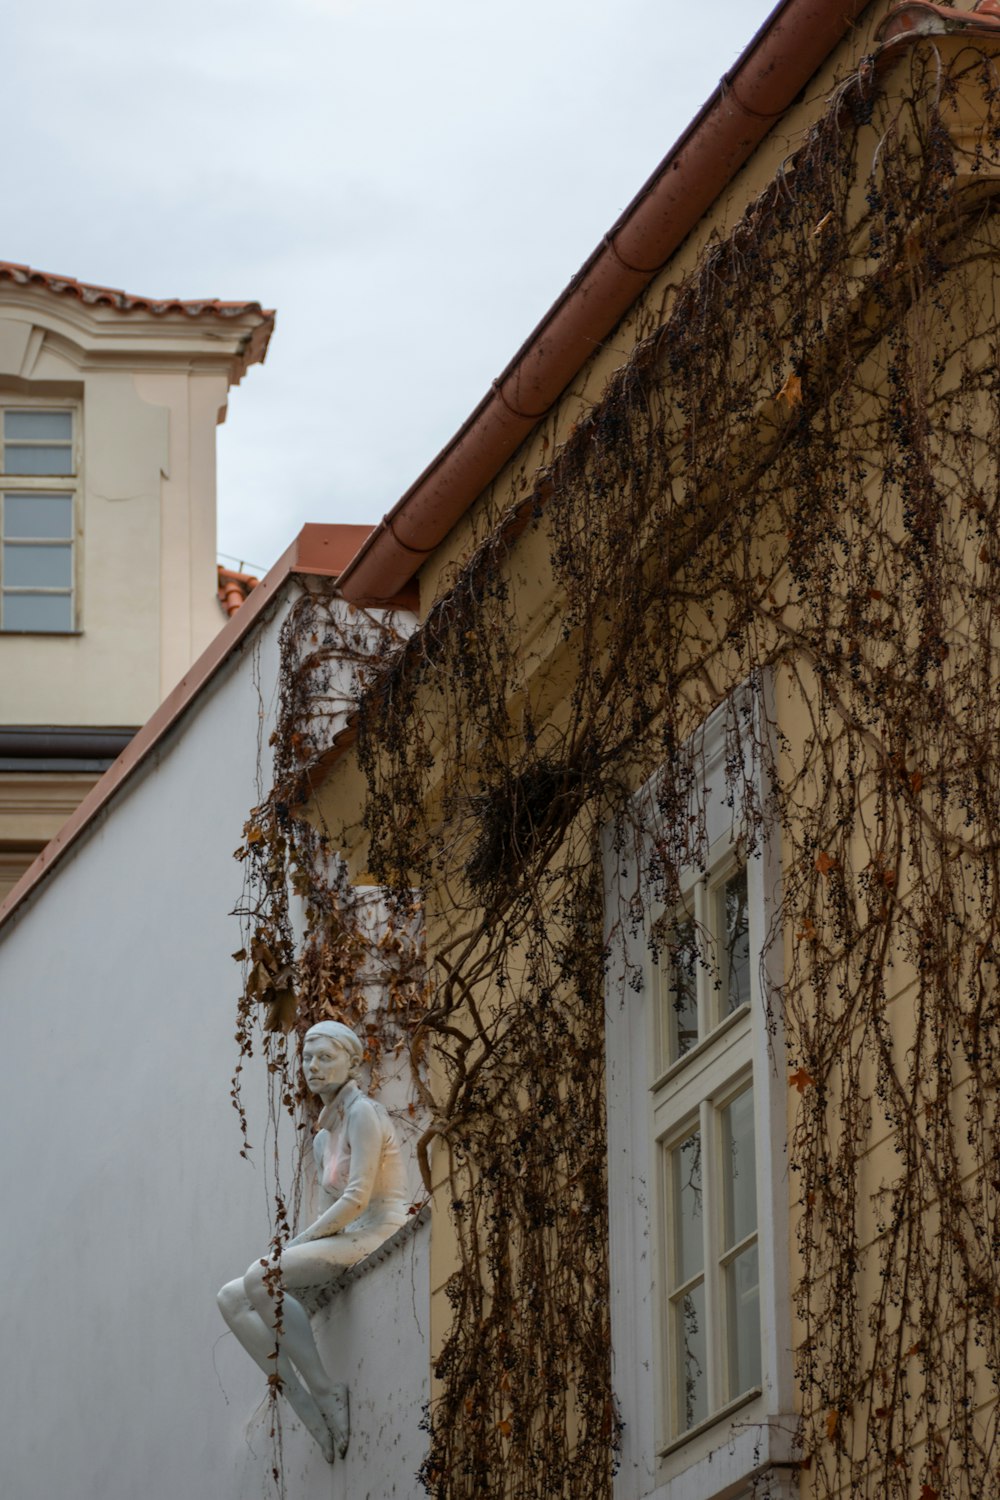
{"points": [[33, 808], [151, 392], [544, 649], [189, 613]]}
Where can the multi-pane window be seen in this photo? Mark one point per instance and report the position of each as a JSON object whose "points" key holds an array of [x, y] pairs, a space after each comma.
{"points": [[703, 1109], [697, 1100], [37, 521]]}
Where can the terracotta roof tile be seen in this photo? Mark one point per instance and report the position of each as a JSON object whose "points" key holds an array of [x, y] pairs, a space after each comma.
{"points": [[93, 295], [110, 296], [234, 588]]}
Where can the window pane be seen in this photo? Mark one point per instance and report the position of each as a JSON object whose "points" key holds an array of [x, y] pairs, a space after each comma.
{"points": [[691, 1355], [38, 516], [27, 567], [743, 1320], [37, 426], [681, 1010], [739, 1165], [686, 1207], [37, 612], [734, 931], [37, 459]]}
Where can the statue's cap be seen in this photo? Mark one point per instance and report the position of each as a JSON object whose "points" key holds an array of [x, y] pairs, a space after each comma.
{"points": [[339, 1033]]}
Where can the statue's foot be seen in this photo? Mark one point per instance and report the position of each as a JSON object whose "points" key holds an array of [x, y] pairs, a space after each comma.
{"points": [[320, 1431], [312, 1419], [339, 1418]]}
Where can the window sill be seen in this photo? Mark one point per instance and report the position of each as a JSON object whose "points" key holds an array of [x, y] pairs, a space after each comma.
{"points": [[38, 634], [709, 1422], [726, 1456]]}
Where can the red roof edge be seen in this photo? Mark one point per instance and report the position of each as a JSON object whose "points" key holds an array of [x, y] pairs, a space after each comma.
{"points": [[318, 551], [787, 50], [254, 346]]}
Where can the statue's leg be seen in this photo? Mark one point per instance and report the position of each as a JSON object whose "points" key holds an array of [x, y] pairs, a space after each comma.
{"points": [[332, 1399], [258, 1338], [303, 1266], [297, 1342]]}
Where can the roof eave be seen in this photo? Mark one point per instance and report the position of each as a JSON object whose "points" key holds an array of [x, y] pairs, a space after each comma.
{"points": [[248, 326], [790, 46]]}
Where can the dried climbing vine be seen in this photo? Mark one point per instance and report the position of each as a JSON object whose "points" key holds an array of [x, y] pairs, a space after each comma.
{"points": [[796, 471], [316, 947], [314, 951]]}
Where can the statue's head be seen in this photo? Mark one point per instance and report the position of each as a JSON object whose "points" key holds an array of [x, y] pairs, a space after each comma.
{"points": [[336, 1034]]}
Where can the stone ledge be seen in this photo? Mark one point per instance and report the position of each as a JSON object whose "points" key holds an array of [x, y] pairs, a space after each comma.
{"points": [[322, 1297]]}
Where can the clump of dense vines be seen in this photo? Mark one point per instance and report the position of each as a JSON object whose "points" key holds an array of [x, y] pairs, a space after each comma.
{"points": [[315, 948], [797, 471]]}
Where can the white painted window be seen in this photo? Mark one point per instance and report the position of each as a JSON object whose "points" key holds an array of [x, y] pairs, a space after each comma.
{"points": [[38, 482], [701, 1320], [703, 1125]]}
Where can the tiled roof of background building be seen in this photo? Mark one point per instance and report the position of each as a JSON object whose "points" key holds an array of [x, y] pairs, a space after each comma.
{"points": [[92, 295]]}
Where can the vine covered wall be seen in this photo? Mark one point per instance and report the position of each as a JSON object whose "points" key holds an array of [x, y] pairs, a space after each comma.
{"points": [[797, 470]]}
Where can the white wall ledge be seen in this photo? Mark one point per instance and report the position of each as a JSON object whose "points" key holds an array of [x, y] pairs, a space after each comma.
{"points": [[388, 1248]]}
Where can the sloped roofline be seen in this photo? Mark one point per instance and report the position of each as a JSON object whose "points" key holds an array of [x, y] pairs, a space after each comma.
{"points": [[319, 551], [93, 295], [787, 50], [791, 45]]}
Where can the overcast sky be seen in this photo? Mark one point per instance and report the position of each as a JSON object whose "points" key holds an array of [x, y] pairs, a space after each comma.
{"points": [[410, 185]]}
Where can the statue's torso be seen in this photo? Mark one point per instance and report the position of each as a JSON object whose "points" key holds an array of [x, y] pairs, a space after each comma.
{"points": [[337, 1148]]}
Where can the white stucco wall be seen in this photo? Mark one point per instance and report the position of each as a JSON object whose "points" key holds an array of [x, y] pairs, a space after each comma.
{"points": [[372, 1335], [126, 1202]]}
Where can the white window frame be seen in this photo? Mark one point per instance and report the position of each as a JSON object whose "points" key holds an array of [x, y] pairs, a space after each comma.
{"points": [[651, 1106], [44, 484]]}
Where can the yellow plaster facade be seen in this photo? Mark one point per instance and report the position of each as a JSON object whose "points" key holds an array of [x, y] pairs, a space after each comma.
{"points": [[546, 659]]}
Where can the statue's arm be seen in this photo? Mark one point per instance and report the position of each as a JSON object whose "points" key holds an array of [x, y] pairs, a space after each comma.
{"points": [[365, 1140]]}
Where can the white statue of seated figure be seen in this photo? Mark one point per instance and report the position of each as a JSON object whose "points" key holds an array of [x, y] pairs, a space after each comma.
{"points": [[362, 1172]]}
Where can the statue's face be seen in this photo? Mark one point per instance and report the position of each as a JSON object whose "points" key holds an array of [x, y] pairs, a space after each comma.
{"points": [[327, 1065]]}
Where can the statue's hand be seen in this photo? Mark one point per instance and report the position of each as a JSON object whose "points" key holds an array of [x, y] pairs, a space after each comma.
{"points": [[318, 1231], [310, 1235]]}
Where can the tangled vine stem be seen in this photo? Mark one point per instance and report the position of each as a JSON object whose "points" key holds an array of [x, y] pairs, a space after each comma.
{"points": [[315, 946], [797, 471], [313, 951]]}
